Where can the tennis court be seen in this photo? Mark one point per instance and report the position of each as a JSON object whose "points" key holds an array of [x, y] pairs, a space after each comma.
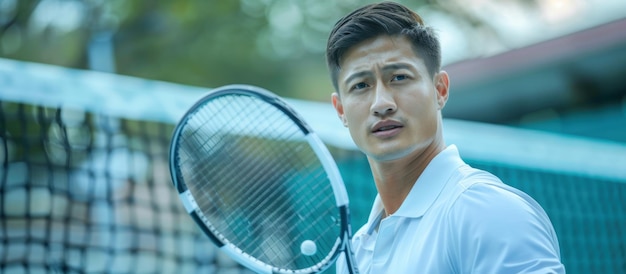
{"points": [[85, 185]]}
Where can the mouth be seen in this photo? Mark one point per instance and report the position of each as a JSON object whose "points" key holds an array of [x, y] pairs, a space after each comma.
{"points": [[385, 126]]}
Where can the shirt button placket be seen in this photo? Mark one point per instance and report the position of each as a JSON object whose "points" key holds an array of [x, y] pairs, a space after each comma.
{"points": [[384, 245]]}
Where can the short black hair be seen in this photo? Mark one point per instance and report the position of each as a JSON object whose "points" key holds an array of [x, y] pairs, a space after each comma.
{"points": [[385, 18]]}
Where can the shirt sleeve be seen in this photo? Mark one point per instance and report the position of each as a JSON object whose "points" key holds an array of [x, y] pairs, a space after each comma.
{"points": [[497, 229]]}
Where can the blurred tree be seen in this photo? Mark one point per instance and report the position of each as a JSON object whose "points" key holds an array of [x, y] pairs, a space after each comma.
{"points": [[276, 44]]}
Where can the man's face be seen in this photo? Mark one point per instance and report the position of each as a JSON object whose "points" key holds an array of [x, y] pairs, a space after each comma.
{"points": [[387, 99]]}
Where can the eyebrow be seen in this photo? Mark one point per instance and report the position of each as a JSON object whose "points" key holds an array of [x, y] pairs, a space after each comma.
{"points": [[396, 66], [355, 75]]}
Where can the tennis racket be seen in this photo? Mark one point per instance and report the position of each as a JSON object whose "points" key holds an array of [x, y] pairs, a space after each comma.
{"points": [[260, 183]]}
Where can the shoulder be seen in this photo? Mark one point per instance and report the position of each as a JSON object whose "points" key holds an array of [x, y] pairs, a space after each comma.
{"points": [[495, 207], [481, 196], [483, 203], [493, 224]]}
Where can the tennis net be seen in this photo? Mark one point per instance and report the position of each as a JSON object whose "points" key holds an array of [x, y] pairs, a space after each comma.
{"points": [[85, 185]]}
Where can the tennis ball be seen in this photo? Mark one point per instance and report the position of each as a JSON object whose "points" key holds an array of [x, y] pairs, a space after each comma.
{"points": [[308, 248]]}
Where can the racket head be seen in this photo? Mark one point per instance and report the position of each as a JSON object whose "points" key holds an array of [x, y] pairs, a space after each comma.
{"points": [[259, 182]]}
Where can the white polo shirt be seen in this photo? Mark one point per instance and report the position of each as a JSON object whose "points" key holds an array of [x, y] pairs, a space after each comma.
{"points": [[458, 219]]}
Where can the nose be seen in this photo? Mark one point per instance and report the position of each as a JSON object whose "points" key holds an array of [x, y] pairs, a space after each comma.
{"points": [[384, 102]]}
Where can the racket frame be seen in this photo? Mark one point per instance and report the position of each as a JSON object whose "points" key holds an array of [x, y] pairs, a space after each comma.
{"points": [[329, 165]]}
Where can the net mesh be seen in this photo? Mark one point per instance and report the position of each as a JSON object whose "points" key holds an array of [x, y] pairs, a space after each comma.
{"points": [[85, 192]]}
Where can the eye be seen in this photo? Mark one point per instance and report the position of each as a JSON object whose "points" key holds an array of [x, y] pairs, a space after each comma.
{"points": [[361, 85], [399, 77]]}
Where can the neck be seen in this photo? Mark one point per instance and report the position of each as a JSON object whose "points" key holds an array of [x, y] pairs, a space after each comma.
{"points": [[395, 179]]}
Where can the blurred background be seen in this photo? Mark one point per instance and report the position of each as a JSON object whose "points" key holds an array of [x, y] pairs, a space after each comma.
{"points": [[90, 91], [548, 64]]}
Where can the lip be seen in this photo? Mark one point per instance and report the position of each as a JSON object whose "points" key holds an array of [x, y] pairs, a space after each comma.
{"points": [[387, 128]]}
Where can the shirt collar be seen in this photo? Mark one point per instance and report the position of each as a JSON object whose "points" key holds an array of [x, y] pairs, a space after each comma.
{"points": [[426, 189]]}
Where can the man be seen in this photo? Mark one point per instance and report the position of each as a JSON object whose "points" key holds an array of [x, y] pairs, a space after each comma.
{"points": [[433, 213]]}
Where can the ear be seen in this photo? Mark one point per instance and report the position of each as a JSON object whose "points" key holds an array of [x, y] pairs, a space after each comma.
{"points": [[442, 85], [339, 108]]}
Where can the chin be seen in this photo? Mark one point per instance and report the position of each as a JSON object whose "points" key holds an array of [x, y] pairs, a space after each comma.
{"points": [[388, 157], [392, 155]]}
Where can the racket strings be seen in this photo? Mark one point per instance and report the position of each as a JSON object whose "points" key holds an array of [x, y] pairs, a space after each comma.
{"points": [[256, 152], [256, 196], [252, 175], [309, 215], [196, 130], [270, 199], [285, 207], [314, 217], [203, 145], [207, 153], [261, 196]]}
